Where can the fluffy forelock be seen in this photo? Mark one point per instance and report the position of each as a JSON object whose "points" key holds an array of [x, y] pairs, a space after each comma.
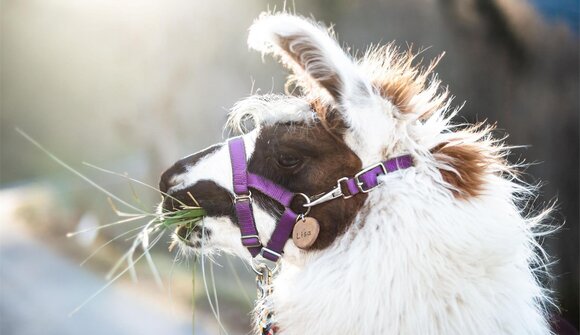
{"points": [[269, 109]]}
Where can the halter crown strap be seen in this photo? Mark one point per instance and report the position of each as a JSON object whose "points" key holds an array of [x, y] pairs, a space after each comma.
{"points": [[363, 182]]}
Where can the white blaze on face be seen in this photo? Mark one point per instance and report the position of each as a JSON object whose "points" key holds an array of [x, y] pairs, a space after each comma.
{"points": [[215, 167]]}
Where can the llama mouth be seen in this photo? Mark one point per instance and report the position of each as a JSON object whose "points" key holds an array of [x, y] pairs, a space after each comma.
{"points": [[184, 232], [185, 220], [190, 235]]}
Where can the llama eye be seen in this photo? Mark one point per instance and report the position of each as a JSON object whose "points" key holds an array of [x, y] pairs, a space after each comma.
{"points": [[287, 161]]}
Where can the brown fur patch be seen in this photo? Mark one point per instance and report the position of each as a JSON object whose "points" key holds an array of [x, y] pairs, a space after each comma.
{"points": [[329, 116], [330, 119], [326, 158], [467, 158], [321, 109], [397, 78]]}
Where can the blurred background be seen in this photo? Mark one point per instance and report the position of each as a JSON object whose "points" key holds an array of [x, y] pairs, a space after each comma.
{"points": [[133, 85]]}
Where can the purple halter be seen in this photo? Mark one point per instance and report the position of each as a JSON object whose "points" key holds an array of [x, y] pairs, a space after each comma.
{"points": [[363, 182]]}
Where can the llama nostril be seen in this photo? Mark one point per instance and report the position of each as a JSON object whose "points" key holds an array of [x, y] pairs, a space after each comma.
{"points": [[170, 177], [169, 183], [166, 182]]}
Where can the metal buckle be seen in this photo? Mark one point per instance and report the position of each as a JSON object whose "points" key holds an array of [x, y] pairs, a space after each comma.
{"points": [[264, 249], [263, 284], [243, 197], [365, 170], [259, 264], [247, 237], [339, 185]]}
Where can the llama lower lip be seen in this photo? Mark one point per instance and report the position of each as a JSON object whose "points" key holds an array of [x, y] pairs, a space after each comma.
{"points": [[184, 232], [191, 235]]}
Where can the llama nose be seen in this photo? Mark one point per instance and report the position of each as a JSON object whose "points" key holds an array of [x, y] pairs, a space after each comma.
{"points": [[168, 180], [163, 185]]}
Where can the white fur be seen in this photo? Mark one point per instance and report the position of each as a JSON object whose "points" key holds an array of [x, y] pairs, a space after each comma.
{"points": [[416, 260]]}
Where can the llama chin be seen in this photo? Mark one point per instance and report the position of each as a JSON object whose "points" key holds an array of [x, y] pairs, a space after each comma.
{"points": [[442, 246]]}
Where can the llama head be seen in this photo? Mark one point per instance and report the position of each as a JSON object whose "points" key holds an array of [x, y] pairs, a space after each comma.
{"points": [[348, 114]]}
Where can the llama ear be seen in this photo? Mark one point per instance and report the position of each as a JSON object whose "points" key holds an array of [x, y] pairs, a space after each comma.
{"points": [[310, 52]]}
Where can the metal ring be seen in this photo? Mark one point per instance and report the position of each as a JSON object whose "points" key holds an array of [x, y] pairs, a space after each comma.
{"points": [[307, 202], [257, 266]]}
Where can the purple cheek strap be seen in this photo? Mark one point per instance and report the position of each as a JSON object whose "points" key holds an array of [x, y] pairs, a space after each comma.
{"points": [[243, 181]]}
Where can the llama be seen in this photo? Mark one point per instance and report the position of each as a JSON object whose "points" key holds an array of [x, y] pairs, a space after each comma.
{"points": [[433, 242]]}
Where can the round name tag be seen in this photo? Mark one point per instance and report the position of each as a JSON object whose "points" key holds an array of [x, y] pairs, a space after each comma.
{"points": [[305, 232]]}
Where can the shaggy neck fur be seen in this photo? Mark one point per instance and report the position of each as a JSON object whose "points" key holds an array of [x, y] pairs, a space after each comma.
{"points": [[419, 262]]}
